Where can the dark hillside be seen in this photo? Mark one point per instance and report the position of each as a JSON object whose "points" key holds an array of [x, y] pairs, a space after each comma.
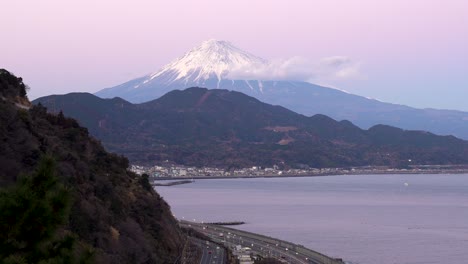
{"points": [[201, 127], [112, 211]]}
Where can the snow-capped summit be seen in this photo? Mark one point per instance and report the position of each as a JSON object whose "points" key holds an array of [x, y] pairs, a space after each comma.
{"points": [[214, 64], [208, 65], [212, 59]]}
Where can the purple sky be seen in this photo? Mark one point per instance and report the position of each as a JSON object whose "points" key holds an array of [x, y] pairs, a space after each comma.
{"points": [[409, 52]]}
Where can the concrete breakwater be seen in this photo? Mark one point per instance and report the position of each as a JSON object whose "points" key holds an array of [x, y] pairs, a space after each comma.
{"points": [[230, 223], [172, 183]]}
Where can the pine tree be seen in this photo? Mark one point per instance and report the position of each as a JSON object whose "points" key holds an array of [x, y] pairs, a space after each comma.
{"points": [[32, 216]]}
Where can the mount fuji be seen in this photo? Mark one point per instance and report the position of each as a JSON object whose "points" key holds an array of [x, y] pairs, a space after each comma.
{"points": [[209, 65], [219, 64]]}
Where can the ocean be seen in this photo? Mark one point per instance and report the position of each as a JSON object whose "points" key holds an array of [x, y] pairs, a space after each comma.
{"points": [[364, 219]]}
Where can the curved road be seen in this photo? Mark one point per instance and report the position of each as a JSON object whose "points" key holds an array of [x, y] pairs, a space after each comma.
{"points": [[262, 245]]}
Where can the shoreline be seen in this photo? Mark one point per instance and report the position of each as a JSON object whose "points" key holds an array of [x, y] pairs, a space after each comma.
{"points": [[453, 172]]}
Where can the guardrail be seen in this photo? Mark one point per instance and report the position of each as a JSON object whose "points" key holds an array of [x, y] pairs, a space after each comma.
{"points": [[316, 256]]}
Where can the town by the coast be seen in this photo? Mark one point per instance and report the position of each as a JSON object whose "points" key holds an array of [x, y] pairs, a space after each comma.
{"points": [[172, 171]]}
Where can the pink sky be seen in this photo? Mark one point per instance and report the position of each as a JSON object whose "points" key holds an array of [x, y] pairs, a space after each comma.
{"points": [[405, 48]]}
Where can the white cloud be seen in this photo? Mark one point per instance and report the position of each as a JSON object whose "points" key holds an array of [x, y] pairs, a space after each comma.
{"points": [[300, 69], [336, 61]]}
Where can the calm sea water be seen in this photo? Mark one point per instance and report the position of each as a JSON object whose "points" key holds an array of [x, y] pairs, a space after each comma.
{"points": [[368, 219]]}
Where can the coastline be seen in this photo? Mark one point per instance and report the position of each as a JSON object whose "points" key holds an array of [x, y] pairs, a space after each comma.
{"points": [[340, 173]]}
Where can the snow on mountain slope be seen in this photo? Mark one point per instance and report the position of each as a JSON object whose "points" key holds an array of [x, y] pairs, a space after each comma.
{"points": [[212, 59], [207, 65]]}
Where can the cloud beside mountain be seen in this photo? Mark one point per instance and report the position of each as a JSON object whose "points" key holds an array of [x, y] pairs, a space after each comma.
{"points": [[300, 69]]}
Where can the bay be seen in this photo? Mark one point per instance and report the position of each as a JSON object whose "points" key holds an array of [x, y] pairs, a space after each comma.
{"points": [[365, 219]]}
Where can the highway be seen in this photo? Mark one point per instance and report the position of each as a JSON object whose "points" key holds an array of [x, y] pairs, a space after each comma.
{"points": [[211, 253], [262, 245]]}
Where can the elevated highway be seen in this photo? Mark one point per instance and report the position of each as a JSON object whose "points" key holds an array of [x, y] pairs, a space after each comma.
{"points": [[262, 245]]}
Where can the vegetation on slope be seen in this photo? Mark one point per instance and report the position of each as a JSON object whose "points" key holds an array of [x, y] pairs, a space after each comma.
{"points": [[200, 127], [112, 213], [32, 213]]}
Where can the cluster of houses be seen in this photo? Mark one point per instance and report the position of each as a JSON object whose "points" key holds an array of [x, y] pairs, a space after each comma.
{"points": [[180, 171]]}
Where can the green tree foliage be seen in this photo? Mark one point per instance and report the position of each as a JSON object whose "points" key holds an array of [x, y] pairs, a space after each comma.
{"points": [[144, 181], [32, 214]]}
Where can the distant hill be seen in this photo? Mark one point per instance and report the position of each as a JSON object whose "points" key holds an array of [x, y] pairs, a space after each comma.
{"points": [[113, 211], [213, 63], [202, 127]]}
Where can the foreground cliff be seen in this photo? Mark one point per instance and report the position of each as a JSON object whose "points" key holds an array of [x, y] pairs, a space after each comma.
{"points": [[114, 212]]}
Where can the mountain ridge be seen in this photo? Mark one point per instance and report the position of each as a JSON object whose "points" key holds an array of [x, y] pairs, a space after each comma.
{"points": [[299, 96], [214, 127]]}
